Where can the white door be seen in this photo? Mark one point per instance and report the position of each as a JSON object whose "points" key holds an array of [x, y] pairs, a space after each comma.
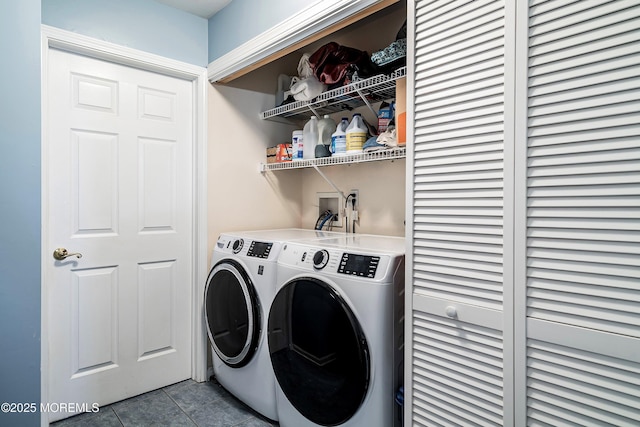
{"points": [[119, 193], [460, 281], [525, 282], [580, 269]]}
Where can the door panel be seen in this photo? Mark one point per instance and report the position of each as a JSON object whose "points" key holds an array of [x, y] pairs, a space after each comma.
{"points": [[120, 193], [95, 198], [156, 295], [458, 280], [94, 307], [582, 210], [157, 186]]}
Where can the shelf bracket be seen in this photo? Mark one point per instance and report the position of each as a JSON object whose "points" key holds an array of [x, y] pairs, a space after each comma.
{"points": [[366, 101], [314, 111], [326, 178]]}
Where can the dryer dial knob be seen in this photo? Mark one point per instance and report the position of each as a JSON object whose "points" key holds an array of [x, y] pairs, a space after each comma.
{"points": [[237, 245], [320, 259]]}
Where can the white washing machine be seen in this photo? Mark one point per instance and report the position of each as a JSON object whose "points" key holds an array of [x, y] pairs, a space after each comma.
{"points": [[239, 291], [335, 331]]}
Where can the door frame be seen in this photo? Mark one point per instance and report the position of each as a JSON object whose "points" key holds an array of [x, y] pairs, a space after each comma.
{"points": [[55, 38]]}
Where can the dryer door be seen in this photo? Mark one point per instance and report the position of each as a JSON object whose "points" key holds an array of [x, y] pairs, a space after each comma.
{"points": [[318, 351], [232, 312]]}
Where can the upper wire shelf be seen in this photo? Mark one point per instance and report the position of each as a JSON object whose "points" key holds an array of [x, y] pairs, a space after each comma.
{"points": [[362, 92]]}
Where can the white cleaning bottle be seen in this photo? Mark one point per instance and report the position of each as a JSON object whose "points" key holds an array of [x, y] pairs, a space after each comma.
{"points": [[339, 138], [309, 138], [296, 143], [356, 134], [326, 125]]}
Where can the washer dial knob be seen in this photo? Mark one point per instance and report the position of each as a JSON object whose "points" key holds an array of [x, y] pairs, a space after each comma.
{"points": [[320, 259], [237, 245]]}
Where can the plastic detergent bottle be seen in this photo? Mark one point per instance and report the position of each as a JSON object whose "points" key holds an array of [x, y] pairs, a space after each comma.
{"points": [[385, 115], [326, 125], [356, 134], [339, 138], [309, 138], [296, 137]]}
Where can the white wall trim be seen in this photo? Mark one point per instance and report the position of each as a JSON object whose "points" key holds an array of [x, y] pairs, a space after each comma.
{"points": [[95, 48], [55, 38], [314, 18]]}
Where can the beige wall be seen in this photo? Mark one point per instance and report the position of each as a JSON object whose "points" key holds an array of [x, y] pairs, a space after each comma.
{"points": [[381, 191], [242, 198], [239, 196]]}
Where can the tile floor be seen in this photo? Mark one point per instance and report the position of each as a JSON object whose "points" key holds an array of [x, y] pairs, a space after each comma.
{"points": [[187, 403]]}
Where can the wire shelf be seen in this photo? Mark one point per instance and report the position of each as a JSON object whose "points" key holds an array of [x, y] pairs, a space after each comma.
{"points": [[348, 97], [396, 153]]}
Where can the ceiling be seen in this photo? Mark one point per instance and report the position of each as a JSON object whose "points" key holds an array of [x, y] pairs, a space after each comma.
{"points": [[203, 8]]}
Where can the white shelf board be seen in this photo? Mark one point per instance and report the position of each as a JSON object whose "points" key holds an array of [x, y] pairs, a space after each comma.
{"points": [[397, 153], [344, 98]]}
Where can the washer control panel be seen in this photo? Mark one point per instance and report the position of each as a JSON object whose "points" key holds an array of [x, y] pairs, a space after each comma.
{"points": [[335, 262], [259, 249], [359, 265]]}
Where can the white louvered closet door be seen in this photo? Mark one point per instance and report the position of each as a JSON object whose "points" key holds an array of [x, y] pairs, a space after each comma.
{"points": [[582, 228], [524, 211], [457, 287]]}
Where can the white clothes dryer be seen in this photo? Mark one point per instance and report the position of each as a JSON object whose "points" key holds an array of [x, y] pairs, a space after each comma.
{"points": [[238, 293], [335, 331]]}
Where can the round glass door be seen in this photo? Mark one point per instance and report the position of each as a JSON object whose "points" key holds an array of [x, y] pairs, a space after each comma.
{"points": [[318, 351], [232, 313]]}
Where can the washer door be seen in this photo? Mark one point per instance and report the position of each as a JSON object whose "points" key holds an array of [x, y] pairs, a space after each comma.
{"points": [[318, 351], [232, 311]]}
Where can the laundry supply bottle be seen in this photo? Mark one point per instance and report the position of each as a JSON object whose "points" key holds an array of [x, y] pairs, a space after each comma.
{"points": [[296, 138], [339, 138], [356, 134], [309, 138], [385, 116], [326, 125]]}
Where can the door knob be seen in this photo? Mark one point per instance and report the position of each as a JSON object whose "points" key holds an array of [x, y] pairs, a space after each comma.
{"points": [[62, 253], [451, 312]]}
